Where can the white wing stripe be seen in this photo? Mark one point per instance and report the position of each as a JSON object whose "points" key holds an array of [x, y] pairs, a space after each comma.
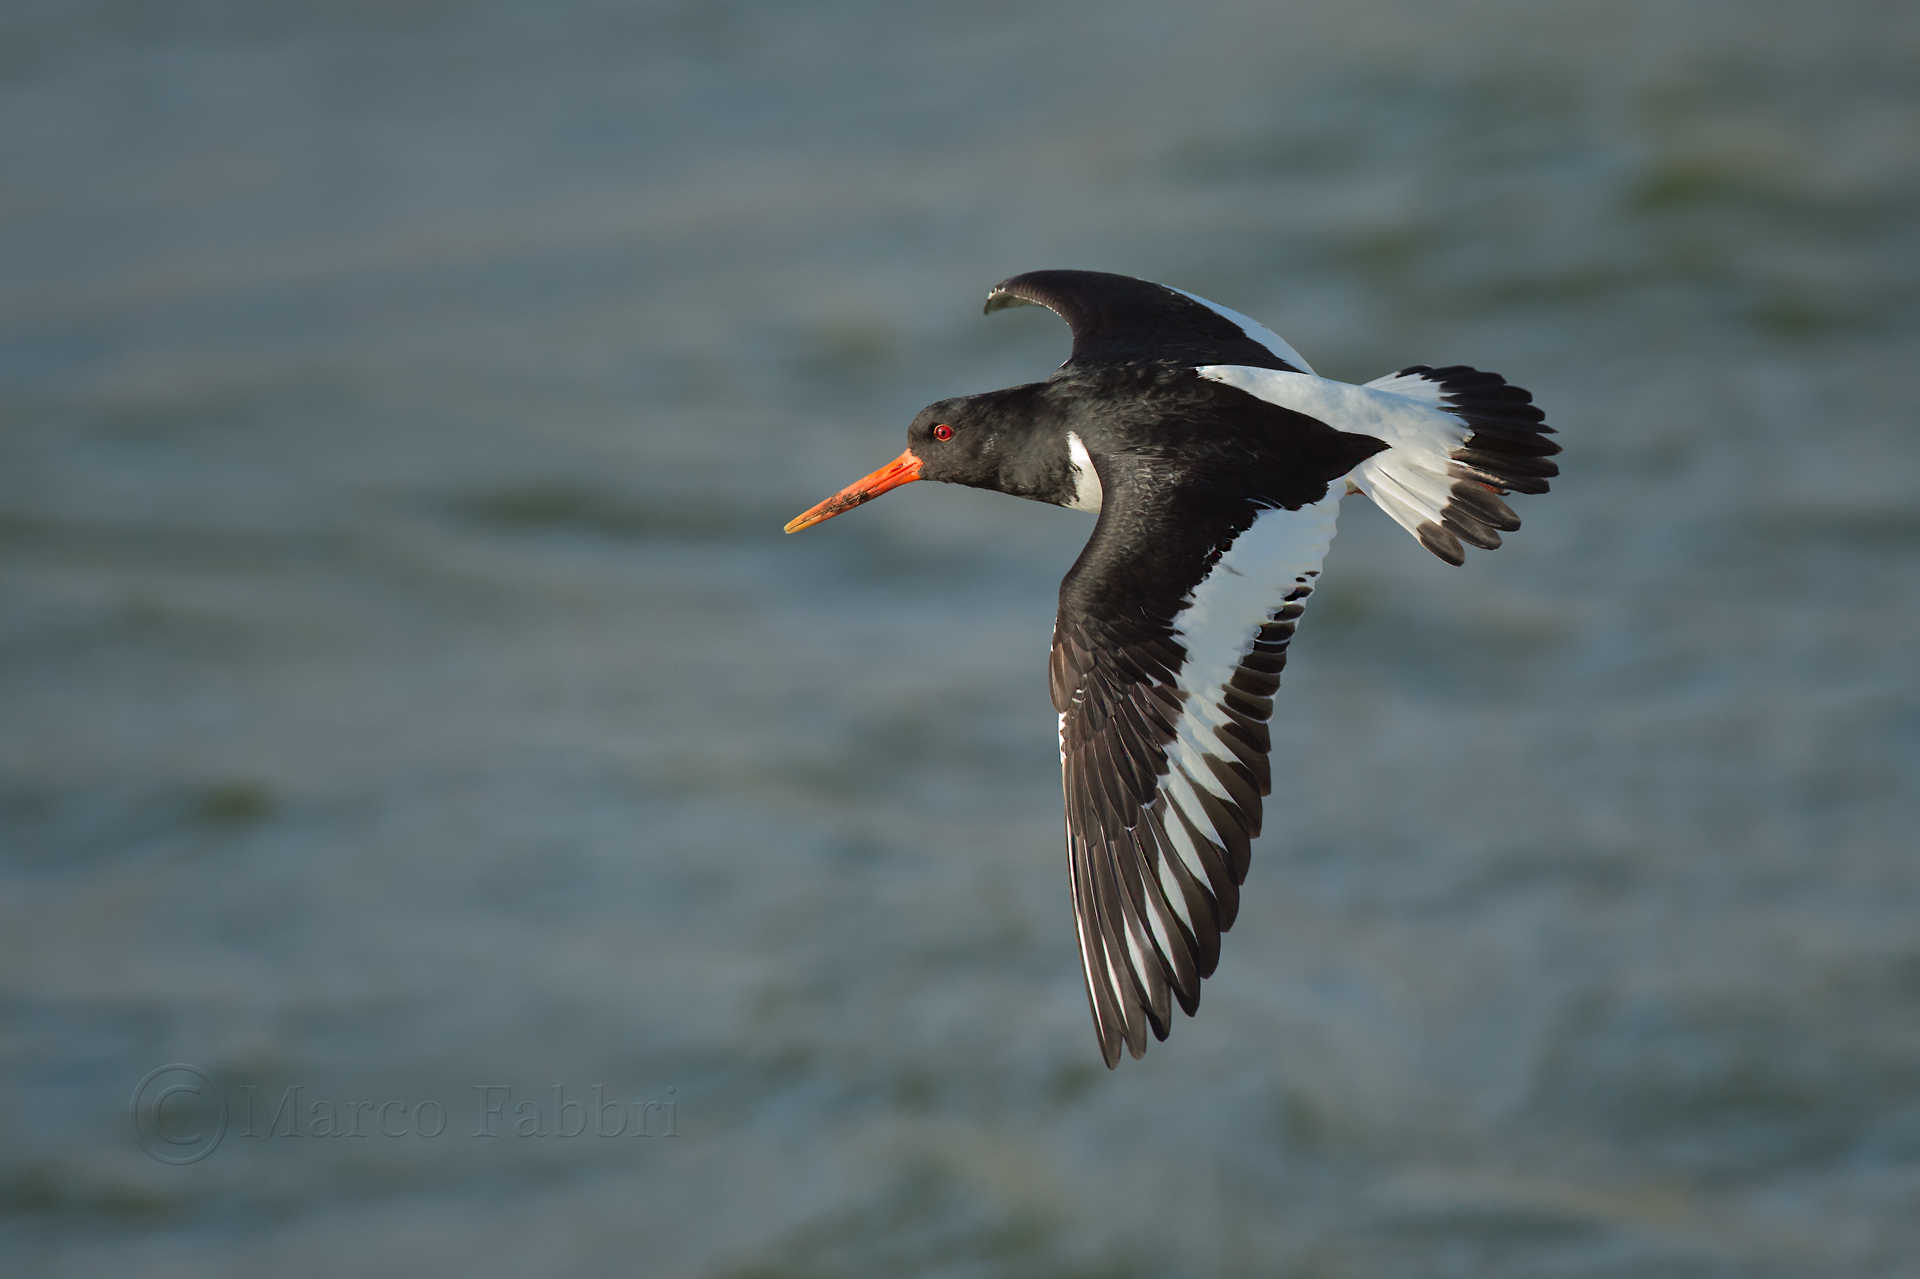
{"points": [[1180, 797], [1224, 615], [1254, 329], [1191, 762], [1175, 895]]}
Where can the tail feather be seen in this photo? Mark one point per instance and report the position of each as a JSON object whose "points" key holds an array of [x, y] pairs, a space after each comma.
{"points": [[1458, 440], [1442, 481]]}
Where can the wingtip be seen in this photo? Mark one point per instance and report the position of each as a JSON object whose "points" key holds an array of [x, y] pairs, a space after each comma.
{"points": [[1000, 300]]}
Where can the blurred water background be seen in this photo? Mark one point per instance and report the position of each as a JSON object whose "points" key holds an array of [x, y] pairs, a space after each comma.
{"points": [[406, 686]]}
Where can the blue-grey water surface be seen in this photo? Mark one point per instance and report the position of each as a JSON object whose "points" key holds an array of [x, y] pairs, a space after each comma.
{"points": [[405, 687]]}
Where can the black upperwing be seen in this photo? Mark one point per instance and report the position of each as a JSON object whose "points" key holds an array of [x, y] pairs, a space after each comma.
{"points": [[1117, 319], [1164, 770]]}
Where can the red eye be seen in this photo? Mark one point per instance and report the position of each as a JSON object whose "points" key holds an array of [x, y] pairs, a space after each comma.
{"points": [[943, 432]]}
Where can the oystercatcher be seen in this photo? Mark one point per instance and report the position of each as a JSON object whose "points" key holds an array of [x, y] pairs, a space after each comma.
{"points": [[1215, 459]]}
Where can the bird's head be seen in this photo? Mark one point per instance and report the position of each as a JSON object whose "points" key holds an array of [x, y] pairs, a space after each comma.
{"points": [[958, 441]]}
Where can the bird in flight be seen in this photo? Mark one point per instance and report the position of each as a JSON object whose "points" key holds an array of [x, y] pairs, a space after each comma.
{"points": [[1215, 459]]}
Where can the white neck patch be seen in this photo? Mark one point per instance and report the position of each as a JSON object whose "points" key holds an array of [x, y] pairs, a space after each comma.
{"points": [[1086, 480]]}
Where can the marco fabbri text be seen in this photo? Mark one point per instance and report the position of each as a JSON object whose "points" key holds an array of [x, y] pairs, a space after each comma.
{"points": [[497, 1110]]}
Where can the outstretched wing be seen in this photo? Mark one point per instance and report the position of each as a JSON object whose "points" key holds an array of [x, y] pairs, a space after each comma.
{"points": [[1172, 632], [1117, 319]]}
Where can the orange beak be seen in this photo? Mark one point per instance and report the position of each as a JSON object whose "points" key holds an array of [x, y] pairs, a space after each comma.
{"points": [[904, 469]]}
